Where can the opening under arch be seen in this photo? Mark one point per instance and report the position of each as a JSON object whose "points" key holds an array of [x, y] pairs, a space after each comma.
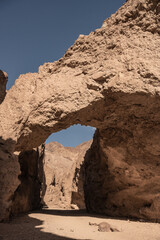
{"points": [[72, 136], [64, 167]]}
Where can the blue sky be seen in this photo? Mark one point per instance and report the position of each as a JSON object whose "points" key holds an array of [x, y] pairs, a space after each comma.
{"points": [[38, 31]]}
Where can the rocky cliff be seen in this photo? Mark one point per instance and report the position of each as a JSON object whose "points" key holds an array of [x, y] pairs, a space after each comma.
{"points": [[64, 175], [110, 80], [51, 175], [120, 58], [122, 174], [28, 195]]}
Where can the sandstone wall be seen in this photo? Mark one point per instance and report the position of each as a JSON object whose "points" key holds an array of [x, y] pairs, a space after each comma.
{"points": [[27, 196], [9, 171], [9, 166], [64, 175], [122, 174]]}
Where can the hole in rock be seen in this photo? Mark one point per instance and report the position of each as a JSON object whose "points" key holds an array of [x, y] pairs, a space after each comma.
{"points": [[72, 136], [52, 175], [64, 167]]}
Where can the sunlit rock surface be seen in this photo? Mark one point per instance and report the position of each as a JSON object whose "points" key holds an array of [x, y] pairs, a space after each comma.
{"points": [[64, 175]]}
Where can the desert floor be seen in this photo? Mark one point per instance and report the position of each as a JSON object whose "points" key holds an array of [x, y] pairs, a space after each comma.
{"points": [[53, 224]]}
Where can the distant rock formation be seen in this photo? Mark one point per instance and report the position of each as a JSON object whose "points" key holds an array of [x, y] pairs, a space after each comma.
{"points": [[64, 175], [110, 80]]}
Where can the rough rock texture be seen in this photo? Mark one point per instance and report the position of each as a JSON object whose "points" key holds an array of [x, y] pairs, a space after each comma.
{"points": [[9, 165], [122, 174], [3, 82], [64, 175], [9, 171], [27, 196], [122, 58], [109, 80]]}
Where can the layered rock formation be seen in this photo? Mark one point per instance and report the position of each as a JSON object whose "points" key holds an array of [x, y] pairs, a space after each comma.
{"points": [[64, 175], [109, 80]]}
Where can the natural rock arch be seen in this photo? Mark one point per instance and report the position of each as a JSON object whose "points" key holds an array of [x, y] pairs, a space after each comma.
{"points": [[109, 80]]}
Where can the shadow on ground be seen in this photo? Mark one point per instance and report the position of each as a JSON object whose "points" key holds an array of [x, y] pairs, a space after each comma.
{"points": [[69, 213], [27, 228], [82, 213], [49, 224]]}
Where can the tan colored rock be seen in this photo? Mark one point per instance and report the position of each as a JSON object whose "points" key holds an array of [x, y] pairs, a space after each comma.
{"points": [[64, 175], [126, 94], [125, 50], [8, 163], [122, 174], [9, 171]]}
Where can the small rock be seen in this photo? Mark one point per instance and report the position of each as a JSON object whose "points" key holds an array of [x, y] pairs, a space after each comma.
{"points": [[104, 227]]}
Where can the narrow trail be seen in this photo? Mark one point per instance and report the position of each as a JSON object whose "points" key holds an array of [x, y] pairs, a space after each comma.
{"points": [[50, 224]]}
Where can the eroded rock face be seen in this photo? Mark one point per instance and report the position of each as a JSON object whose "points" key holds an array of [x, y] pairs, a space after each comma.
{"points": [[27, 196], [8, 163], [122, 174], [109, 80], [120, 57], [9, 171], [64, 175]]}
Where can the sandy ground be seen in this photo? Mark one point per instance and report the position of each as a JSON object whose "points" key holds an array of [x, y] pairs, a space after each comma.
{"points": [[71, 224]]}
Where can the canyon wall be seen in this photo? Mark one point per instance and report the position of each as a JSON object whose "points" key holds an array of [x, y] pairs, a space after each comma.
{"points": [[64, 176], [122, 174], [28, 195]]}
